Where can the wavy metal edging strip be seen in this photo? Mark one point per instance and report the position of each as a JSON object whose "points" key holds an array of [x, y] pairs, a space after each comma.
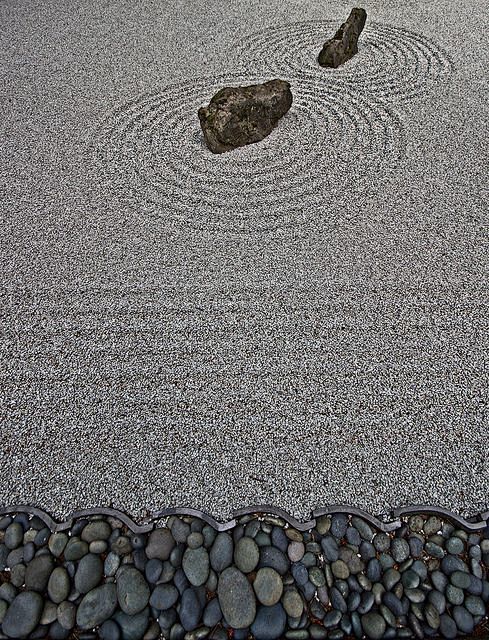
{"points": [[477, 522]]}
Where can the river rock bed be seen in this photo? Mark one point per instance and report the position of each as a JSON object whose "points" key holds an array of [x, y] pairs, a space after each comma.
{"points": [[262, 579]]}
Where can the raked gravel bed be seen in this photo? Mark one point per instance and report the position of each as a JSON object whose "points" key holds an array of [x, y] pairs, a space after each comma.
{"points": [[184, 580]]}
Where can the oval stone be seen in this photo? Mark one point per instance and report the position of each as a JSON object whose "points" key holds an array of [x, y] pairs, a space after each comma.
{"points": [[269, 623], [163, 597], [96, 530], [292, 603], [37, 573], [191, 608], [160, 544], [132, 590], [273, 557], [236, 598], [89, 573], [373, 625], [268, 586], [97, 606], [246, 554], [195, 564], [221, 554], [59, 585], [23, 614], [399, 550]]}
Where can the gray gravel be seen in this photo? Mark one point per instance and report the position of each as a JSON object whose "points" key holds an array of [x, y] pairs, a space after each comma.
{"points": [[173, 332]]}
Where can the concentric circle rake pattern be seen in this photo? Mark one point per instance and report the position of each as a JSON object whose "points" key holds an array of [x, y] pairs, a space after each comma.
{"points": [[154, 147], [392, 63]]}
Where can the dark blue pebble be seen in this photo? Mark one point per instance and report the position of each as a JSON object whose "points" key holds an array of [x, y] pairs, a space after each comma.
{"points": [[393, 603], [308, 589], [353, 601], [29, 552], [279, 539], [367, 600], [153, 570], [330, 548], [450, 563], [138, 541], [415, 547], [367, 551], [332, 618], [475, 586], [274, 558], [167, 618], [353, 537], [140, 559], [269, 623], [212, 613], [448, 628], [23, 520], [110, 630], [337, 600], [345, 624], [463, 619], [78, 527], [180, 581], [190, 609], [164, 597], [299, 573], [374, 570], [57, 632], [42, 537], [339, 524], [353, 584], [241, 634]]}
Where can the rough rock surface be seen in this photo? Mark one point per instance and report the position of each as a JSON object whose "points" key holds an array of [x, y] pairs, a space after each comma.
{"points": [[237, 116], [344, 44]]}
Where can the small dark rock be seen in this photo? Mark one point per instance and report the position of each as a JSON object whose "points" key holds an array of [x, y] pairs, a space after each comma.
{"points": [[344, 44]]}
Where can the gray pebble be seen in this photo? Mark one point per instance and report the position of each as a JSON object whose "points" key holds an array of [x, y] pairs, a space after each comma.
{"points": [[221, 554], [59, 585], [373, 625], [196, 564], [75, 549], [236, 598], [96, 530], [246, 554], [66, 613], [382, 542], [14, 536], [57, 543], [24, 613], [268, 586], [292, 603], [273, 557], [38, 572], [399, 549], [454, 595], [160, 544], [339, 524], [132, 590]]}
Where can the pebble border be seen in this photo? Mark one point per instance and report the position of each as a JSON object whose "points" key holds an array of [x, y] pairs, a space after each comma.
{"points": [[422, 572]]}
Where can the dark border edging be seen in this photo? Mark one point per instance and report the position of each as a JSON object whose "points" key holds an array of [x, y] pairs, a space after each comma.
{"points": [[473, 523]]}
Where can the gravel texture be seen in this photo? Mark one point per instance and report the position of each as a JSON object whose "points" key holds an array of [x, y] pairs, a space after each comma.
{"points": [[300, 322]]}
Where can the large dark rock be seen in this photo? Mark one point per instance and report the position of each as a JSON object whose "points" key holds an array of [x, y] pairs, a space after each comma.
{"points": [[344, 44], [237, 116]]}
